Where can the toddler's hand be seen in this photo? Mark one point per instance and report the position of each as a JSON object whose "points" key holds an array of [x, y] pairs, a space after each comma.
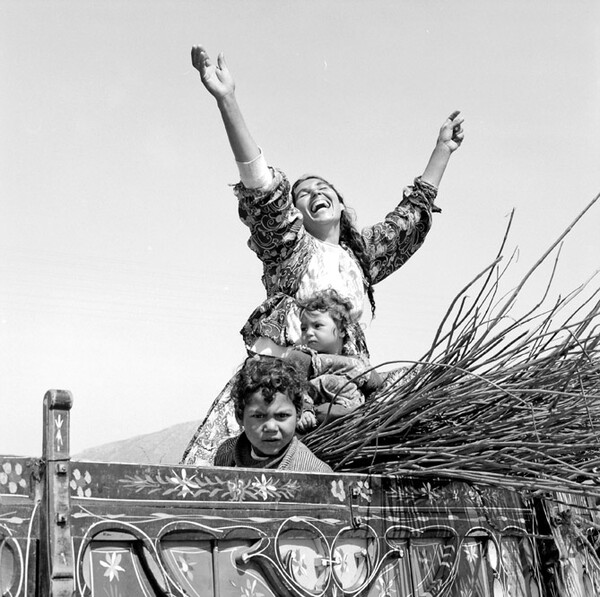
{"points": [[306, 421]]}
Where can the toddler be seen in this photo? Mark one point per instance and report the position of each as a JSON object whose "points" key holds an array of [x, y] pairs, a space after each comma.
{"points": [[340, 382]]}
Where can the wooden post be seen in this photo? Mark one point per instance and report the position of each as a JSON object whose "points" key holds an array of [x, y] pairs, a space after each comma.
{"points": [[57, 548]]}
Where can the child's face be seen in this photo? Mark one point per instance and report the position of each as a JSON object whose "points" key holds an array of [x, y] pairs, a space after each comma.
{"points": [[320, 332], [269, 427]]}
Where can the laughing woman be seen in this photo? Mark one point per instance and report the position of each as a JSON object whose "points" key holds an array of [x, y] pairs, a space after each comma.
{"points": [[307, 242]]}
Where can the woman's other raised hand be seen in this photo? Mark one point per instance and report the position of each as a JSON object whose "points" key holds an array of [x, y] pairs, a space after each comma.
{"points": [[449, 139], [452, 134], [215, 77], [220, 84]]}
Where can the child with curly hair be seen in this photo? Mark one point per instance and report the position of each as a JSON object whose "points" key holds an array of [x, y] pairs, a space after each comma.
{"points": [[268, 395], [340, 381]]}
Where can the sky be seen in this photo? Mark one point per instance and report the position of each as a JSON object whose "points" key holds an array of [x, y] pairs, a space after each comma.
{"points": [[124, 271]]}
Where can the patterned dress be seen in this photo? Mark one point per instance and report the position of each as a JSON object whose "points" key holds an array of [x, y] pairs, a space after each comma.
{"points": [[295, 265]]}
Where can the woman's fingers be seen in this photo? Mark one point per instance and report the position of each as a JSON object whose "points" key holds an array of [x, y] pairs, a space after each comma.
{"points": [[452, 132], [456, 122], [222, 65], [454, 119], [200, 58]]}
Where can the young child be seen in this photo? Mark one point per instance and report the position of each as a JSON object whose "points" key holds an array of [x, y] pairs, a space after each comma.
{"points": [[340, 381], [268, 395]]}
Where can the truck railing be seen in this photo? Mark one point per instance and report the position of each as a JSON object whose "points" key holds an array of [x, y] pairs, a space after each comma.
{"points": [[110, 529]]}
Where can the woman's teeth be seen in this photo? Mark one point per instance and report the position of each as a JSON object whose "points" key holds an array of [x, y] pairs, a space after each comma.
{"points": [[321, 204]]}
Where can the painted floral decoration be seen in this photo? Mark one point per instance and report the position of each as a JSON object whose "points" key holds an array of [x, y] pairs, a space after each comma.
{"points": [[80, 483], [12, 477], [192, 486], [337, 490], [113, 559], [250, 590], [363, 490], [186, 567]]}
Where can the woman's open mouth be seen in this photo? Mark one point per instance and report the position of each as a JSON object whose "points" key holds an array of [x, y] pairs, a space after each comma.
{"points": [[319, 204]]}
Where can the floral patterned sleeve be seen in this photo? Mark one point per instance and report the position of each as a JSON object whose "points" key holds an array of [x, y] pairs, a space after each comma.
{"points": [[390, 243], [274, 223]]}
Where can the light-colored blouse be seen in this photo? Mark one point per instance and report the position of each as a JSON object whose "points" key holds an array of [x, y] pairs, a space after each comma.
{"points": [[295, 264]]}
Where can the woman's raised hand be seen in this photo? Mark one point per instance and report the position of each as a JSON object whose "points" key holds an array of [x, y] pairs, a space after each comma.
{"points": [[449, 139], [216, 78], [220, 84], [452, 134]]}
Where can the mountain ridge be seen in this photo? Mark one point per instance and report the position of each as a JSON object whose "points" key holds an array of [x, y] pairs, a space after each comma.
{"points": [[165, 446]]}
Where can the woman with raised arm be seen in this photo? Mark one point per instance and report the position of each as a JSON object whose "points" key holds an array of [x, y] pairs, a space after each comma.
{"points": [[307, 242]]}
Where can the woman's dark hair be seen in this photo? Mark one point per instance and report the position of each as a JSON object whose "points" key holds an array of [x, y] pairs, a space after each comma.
{"points": [[349, 235], [269, 375], [329, 301]]}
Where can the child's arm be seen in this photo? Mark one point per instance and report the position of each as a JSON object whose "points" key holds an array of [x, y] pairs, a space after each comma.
{"points": [[374, 382], [331, 412], [301, 359], [220, 84], [449, 139], [306, 421]]}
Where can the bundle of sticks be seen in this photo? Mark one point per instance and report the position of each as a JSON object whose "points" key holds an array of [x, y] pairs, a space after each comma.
{"points": [[502, 399]]}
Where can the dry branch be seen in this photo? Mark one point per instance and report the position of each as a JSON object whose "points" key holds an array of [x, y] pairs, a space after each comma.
{"points": [[499, 398]]}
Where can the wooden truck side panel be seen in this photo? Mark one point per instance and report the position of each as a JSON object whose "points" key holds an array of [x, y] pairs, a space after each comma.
{"points": [[110, 530]]}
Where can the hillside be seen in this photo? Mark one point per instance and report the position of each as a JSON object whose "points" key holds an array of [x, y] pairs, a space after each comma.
{"points": [[161, 447]]}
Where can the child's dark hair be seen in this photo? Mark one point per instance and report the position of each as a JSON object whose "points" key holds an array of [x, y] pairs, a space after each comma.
{"points": [[349, 235], [270, 375], [329, 301]]}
